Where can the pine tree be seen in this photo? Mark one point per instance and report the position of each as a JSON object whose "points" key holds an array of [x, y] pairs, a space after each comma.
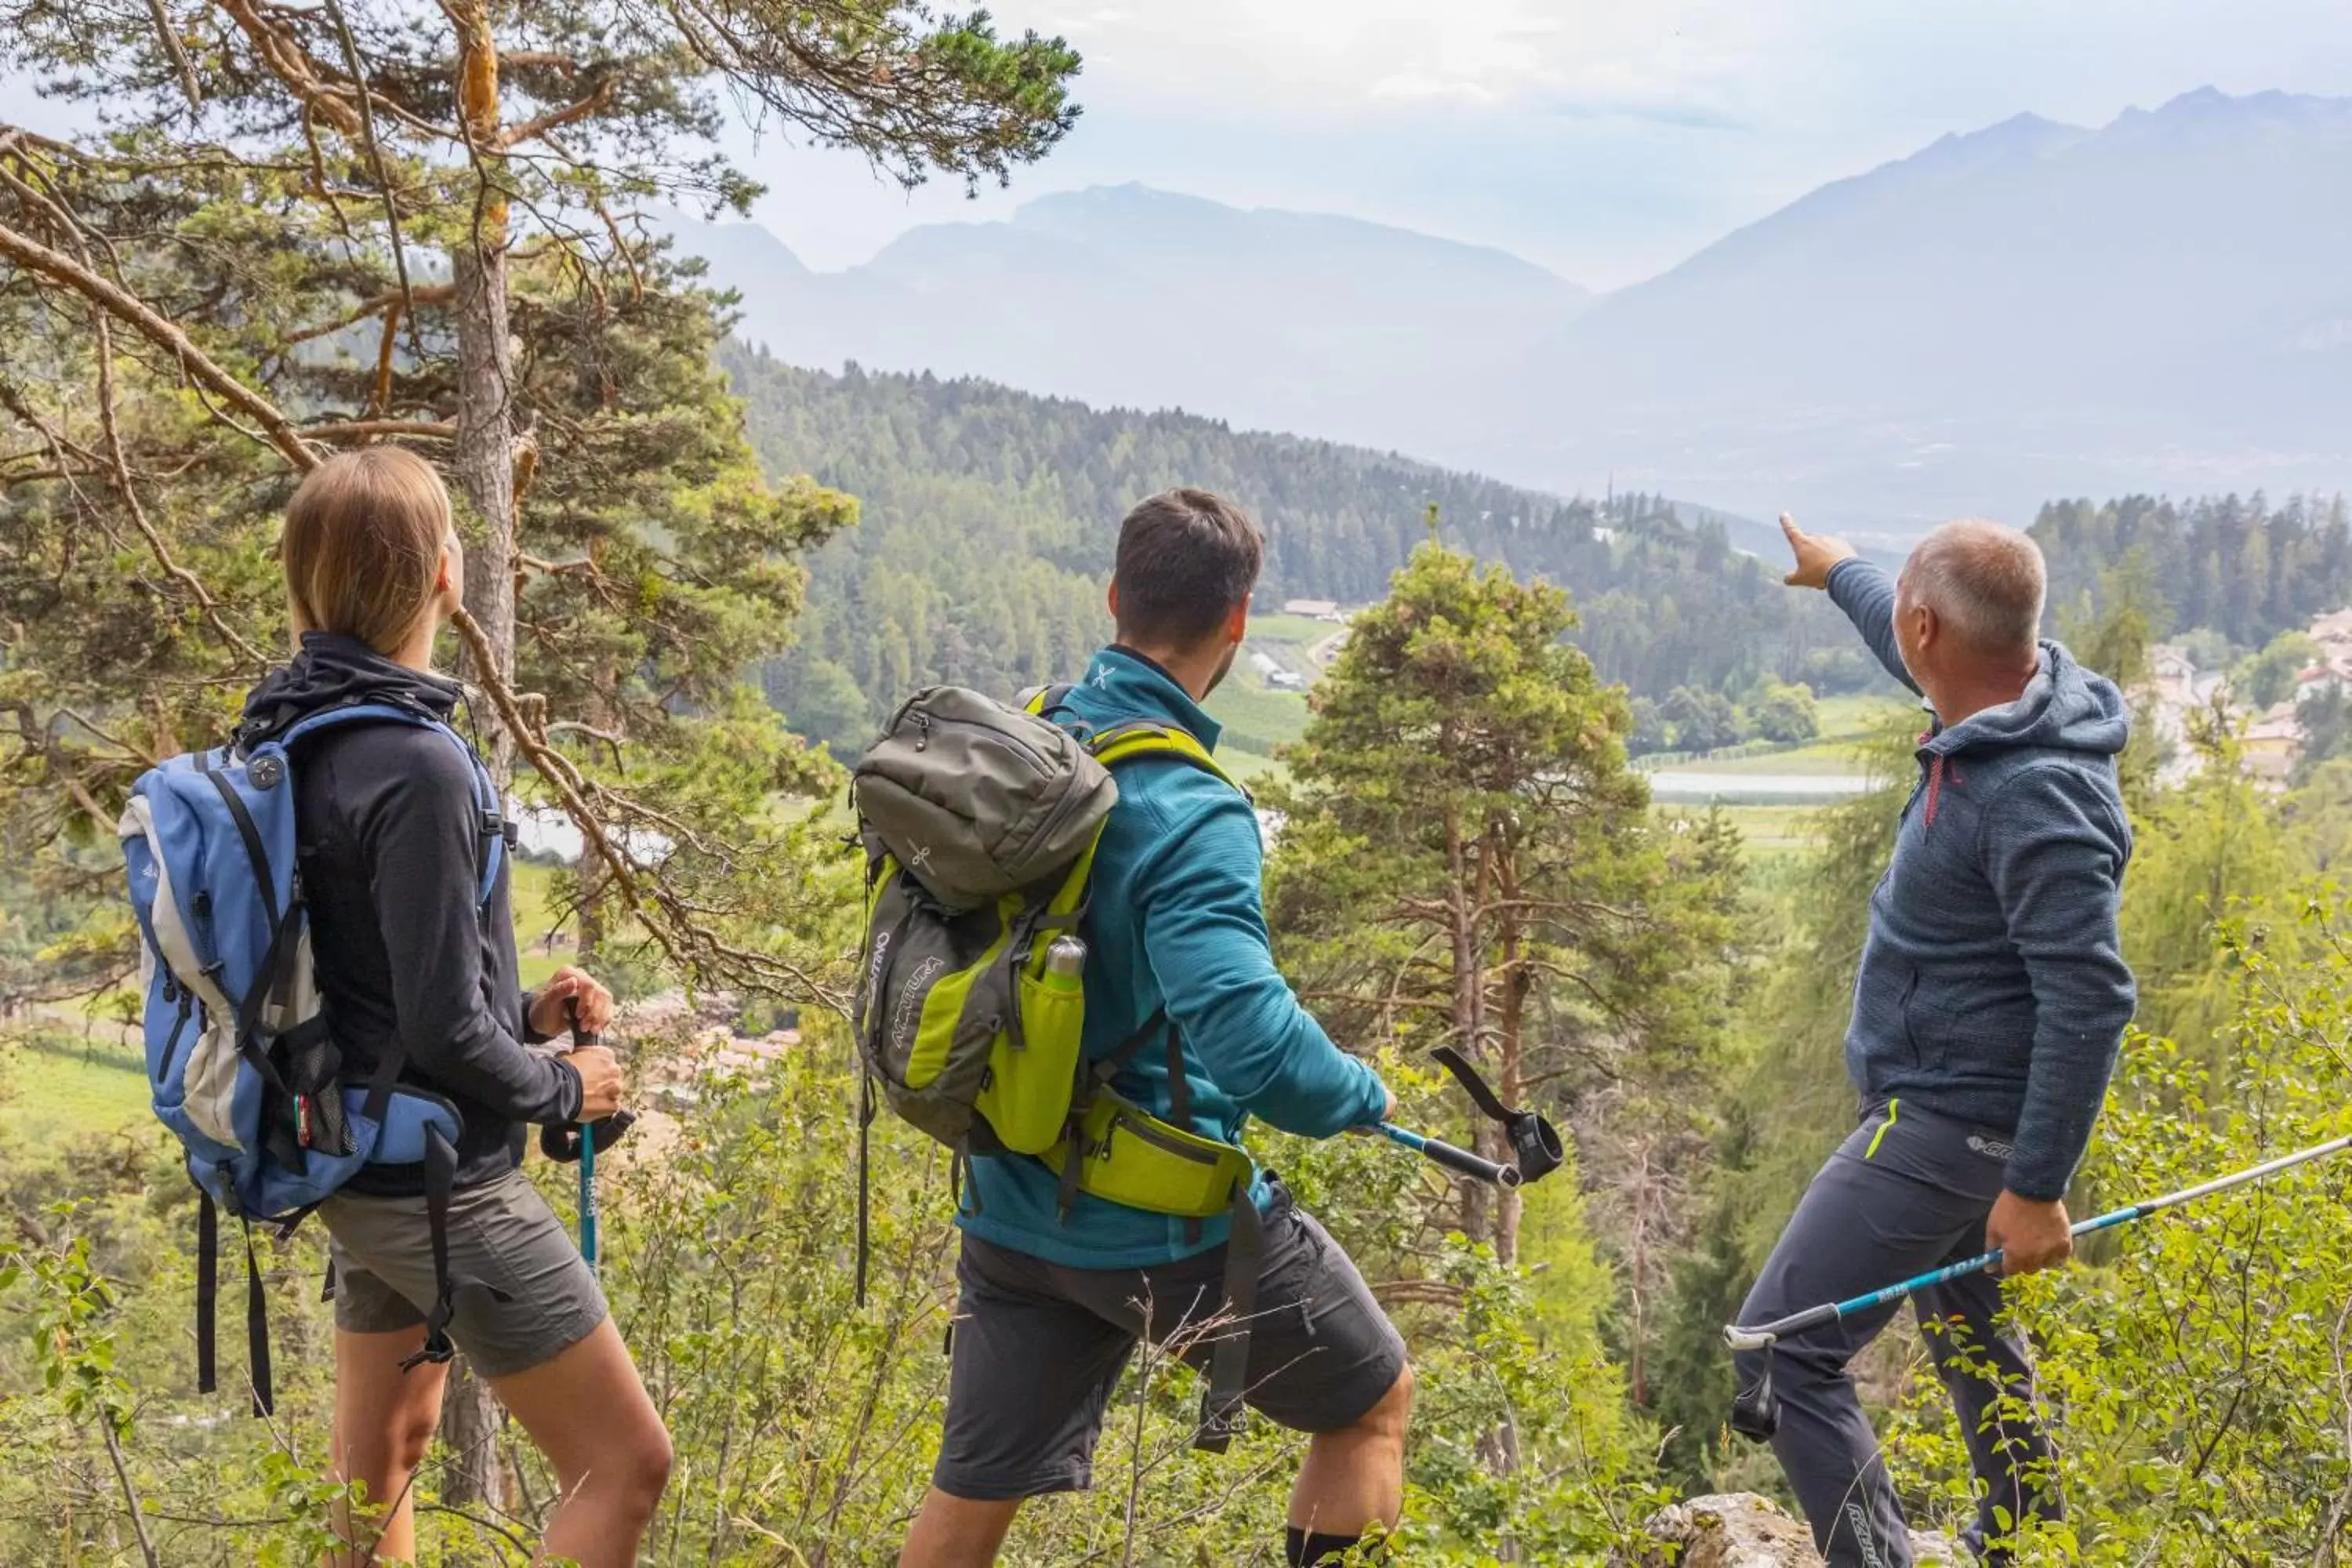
{"points": [[303, 227]]}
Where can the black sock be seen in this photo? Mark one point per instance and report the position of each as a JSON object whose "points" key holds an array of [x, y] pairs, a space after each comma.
{"points": [[1307, 1548]]}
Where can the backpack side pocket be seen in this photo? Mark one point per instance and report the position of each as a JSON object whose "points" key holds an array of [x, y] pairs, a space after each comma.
{"points": [[1027, 1096]]}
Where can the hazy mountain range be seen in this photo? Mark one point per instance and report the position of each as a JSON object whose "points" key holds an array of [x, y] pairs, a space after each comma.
{"points": [[2031, 311]]}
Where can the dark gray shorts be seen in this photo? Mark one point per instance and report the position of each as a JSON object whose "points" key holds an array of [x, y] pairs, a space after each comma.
{"points": [[502, 1234], [1039, 1347]]}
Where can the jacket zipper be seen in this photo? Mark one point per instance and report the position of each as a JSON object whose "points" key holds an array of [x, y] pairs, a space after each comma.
{"points": [[1910, 1037]]}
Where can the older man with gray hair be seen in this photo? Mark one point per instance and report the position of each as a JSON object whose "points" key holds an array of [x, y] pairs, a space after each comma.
{"points": [[1991, 998]]}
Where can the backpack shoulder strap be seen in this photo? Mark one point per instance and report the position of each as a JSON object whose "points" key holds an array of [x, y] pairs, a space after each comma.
{"points": [[356, 713], [1043, 700], [1143, 738], [1139, 738], [492, 825]]}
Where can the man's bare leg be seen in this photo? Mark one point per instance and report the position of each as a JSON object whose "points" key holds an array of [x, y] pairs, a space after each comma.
{"points": [[1354, 1478], [957, 1532]]}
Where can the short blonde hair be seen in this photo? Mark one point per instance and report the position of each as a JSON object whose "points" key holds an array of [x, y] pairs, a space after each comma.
{"points": [[363, 545]]}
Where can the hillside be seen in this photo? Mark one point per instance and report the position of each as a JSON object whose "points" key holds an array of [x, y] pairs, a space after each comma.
{"points": [[2236, 567], [989, 518], [2032, 309]]}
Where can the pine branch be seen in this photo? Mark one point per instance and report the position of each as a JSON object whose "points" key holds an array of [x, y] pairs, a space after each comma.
{"points": [[170, 42], [595, 102], [669, 919], [200, 368], [125, 486], [390, 209], [364, 430], [291, 64]]}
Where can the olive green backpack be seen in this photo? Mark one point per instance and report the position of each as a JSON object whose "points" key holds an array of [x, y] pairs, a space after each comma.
{"points": [[979, 823]]}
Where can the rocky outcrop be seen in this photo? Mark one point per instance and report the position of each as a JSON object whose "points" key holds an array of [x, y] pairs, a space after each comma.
{"points": [[1740, 1529]]}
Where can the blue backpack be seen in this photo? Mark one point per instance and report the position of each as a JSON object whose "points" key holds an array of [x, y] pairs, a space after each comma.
{"points": [[240, 1057]]}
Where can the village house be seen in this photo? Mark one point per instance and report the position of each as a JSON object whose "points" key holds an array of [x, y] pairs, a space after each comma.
{"points": [[2272, 744]]}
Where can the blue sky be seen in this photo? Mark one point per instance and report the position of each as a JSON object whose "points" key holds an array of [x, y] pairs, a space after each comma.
{"points": [[1606, 139]]}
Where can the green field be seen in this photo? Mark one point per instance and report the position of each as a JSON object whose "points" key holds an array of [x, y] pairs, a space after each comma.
{"points": [[1772, 832], [1250, 766], [56, 1085], [1848, 725], [1299, 629], [1257, 717]]}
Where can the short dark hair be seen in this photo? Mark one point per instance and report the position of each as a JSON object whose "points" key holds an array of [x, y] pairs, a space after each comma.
{"points": [[1186, 558]]}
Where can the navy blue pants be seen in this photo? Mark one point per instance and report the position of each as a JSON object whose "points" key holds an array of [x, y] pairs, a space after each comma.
{"points": [[1907, 1193]]}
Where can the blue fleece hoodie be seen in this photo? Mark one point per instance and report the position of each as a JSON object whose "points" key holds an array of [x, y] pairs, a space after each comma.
{"points": [[1993, 989], [1175, 921]]}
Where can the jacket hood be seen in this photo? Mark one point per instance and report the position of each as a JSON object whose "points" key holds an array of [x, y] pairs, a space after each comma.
{"points": [[331, 672], [2064, 707]]}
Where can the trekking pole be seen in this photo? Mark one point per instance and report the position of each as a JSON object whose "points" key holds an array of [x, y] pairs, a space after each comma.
{"points": [[1457, 1160], [1765, 1336], [581, 1037]]}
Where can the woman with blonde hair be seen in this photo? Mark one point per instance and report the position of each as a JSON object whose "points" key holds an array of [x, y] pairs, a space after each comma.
{"points": [[418, 976]]}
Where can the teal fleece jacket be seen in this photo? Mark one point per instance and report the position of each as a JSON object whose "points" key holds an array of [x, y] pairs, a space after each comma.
{"points": [[1175, 921]]}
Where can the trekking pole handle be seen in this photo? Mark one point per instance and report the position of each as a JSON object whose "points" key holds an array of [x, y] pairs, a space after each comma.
{"points": [[1460, 1161]]}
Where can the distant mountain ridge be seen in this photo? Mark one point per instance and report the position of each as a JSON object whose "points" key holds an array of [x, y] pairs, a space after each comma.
{"points": [[2034, 309], [1133, 297], [2028, 311]]}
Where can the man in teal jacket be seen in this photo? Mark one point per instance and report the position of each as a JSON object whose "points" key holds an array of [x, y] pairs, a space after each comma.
{"points": [[1051, 1305]]}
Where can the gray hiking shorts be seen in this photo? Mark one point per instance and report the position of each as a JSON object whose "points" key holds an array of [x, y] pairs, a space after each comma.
{"points": [[1039, 1348], [501, 1234]]}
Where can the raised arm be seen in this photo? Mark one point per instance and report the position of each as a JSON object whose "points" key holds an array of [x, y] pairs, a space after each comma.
{"points": [[1205, 929], [1860, 589]]}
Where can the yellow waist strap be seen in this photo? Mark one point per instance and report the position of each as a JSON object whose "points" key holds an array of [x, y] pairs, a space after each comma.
{"points": [[1132, 1157]]}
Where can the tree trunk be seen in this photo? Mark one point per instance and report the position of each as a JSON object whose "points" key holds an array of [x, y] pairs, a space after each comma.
{"points": [[484, 474], [1510, 1037], [592, 926], [1469, 1001], [486, 391], [470, 1423], [1497, 865]]}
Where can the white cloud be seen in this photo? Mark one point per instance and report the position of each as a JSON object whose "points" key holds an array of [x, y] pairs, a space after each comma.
{"points": [[1301, 57]]}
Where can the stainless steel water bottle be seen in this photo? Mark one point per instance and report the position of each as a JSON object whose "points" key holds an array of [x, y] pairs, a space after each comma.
{"points": [[1066, 963]]}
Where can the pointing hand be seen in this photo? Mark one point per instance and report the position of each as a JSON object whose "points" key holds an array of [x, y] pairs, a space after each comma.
{"points": [[1815, 553]]}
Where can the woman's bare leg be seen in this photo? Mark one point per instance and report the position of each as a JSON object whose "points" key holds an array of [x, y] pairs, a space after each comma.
{"points": [[384, 1419], [588, 1412]]}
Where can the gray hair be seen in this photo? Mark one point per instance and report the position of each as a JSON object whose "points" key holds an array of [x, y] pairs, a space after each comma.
{"points": [[1984, 580]]}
